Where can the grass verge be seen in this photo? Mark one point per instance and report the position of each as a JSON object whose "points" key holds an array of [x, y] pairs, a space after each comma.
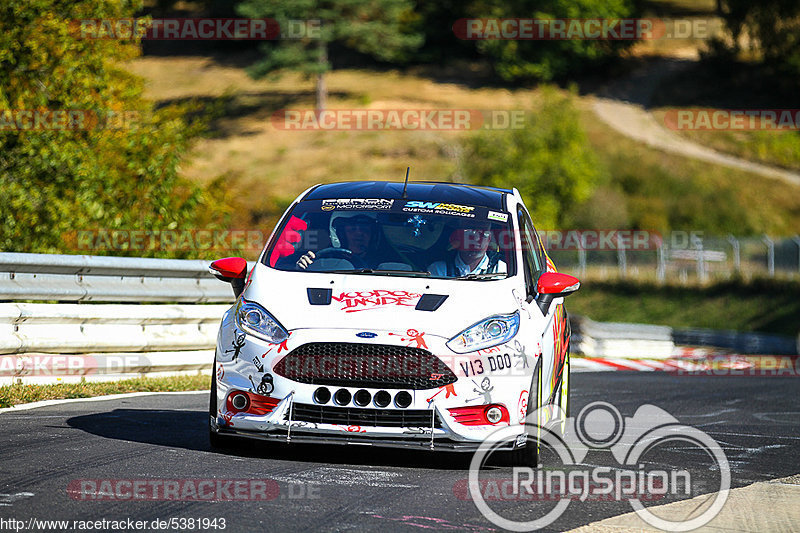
{"points": [[766, 306], [25, 393]]}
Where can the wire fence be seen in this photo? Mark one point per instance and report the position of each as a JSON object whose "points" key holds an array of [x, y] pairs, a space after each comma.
{"points": [[680, 256]]}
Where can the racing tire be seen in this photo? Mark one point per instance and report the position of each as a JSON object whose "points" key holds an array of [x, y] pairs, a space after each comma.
{"points": [[528, 455], [216, 440]]}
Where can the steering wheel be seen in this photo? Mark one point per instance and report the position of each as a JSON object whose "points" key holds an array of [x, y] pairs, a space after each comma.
{"points": [[341, 253]]}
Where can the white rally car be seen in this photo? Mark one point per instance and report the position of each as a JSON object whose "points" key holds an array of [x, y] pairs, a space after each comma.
{"points": [[421, 315]]}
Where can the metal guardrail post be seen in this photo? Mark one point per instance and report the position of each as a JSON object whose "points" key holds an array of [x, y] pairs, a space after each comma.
{"points": [[796, 240], [697, 242], [770, 255], [737, 258], [582, 256]]}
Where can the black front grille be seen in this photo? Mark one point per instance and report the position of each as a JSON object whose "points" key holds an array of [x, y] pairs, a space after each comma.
{"points": [[353, 416], [376, 366]]}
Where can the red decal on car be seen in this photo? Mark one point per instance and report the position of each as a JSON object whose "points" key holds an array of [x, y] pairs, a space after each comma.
{"points": [[376, 299]]}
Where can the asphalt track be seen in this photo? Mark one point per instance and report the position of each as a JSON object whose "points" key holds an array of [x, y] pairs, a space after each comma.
{"points": [[333, 488]]}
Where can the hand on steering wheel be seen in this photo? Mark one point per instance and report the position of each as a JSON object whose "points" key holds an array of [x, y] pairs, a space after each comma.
{"points": [[305, 260], [332, 253]]}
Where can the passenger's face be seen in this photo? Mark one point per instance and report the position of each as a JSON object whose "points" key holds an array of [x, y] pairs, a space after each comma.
{"points": [[477, 240], [358, 237]]}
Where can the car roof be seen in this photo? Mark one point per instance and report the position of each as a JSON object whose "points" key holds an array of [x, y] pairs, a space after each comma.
{"points": [[428, 191]]}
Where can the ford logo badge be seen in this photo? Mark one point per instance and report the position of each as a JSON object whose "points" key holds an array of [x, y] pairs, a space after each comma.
{"points": [[366, 335]]}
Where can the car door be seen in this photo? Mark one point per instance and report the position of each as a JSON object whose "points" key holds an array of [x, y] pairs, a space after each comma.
{"points": [[534, 264]]}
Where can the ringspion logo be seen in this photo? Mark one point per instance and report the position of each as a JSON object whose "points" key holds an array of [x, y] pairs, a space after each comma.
{"points": [[637, 477]]}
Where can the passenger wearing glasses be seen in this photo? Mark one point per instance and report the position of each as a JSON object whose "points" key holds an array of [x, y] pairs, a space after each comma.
{"points": [[470, 254]]}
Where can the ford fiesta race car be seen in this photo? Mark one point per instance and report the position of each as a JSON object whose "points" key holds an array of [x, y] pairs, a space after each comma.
{"points": [[422, 316]]}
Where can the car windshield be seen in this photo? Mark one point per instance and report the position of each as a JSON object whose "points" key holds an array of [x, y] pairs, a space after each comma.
{"points": [[395, 238]]}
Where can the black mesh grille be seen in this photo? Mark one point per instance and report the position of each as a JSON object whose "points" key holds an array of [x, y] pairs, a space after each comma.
{"points": [[353, 416], [365, 365]]}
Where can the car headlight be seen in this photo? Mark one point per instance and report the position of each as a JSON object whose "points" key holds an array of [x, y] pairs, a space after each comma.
{"points": [[255, 320], [486, 333]]}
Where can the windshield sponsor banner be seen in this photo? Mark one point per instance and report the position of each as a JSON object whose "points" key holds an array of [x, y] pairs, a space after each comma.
{"points": [[356, 203], [439, 208], [499, 217]]}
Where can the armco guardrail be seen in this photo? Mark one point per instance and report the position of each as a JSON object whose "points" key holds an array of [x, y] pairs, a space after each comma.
{"points": [[81, 328], [619, 339], [63, 342], [46, 342], [626, 340], [86, 278]]}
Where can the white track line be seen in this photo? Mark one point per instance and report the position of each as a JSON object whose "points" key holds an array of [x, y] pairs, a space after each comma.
{"points": [[46, 403]]}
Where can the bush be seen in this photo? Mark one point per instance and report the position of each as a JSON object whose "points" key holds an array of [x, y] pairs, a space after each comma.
{"points": [[120, 170], [549, 160]]}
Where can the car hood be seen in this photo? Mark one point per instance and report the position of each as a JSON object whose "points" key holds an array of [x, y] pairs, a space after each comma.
{"points": [[377, 302]]}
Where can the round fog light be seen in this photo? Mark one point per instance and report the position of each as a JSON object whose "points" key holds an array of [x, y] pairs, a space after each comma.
{"points": [[493, 415], [240, 401]]}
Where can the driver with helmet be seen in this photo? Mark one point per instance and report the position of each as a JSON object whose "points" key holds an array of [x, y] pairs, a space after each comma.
{"points": [[358, 234]]}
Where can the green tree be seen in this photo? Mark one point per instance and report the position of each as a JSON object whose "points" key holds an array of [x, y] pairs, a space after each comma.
{"points": [[549, 160], [544, 60], [770, 27], [118, 171], [379, 28]]}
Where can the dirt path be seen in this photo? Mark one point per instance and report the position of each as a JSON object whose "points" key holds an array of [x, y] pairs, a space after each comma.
{"points": [[623, 106]]}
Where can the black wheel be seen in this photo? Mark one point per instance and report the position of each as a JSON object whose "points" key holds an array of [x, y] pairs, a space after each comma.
{"points": [[529, 454], [215, 439]]}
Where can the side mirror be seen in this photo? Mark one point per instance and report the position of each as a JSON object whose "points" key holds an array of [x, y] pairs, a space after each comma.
{"points": [[231, 270], [553, 285]]}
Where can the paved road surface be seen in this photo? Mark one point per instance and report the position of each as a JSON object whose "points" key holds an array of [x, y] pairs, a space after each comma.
{"points": [[164, 437]]}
